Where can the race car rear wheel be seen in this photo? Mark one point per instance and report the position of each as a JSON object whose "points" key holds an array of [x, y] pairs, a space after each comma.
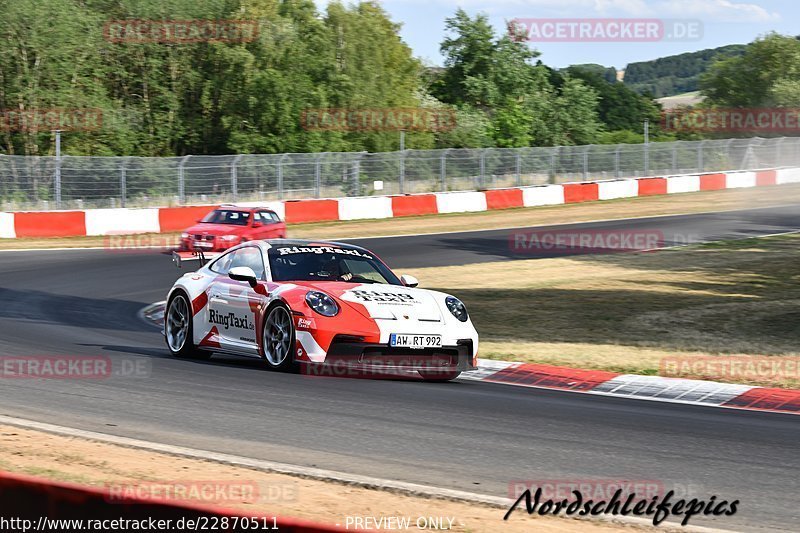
{"points": [[439, 375], [278, 338], [178, 329]]}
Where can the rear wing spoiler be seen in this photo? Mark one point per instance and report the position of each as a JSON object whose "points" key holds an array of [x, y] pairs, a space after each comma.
{"points": [[193, 255]]}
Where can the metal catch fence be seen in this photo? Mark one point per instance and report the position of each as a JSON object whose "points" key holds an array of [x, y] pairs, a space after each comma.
{"points": [[73, 182]]}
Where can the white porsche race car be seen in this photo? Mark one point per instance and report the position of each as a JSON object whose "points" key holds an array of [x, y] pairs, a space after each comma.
{"points": [[299, 303]]}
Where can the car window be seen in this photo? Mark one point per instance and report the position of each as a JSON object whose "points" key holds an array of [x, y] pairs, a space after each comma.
{"points": [[227, 216], [328, 263], [266, 217], [362, 270], [223, 264], [249, 257]]}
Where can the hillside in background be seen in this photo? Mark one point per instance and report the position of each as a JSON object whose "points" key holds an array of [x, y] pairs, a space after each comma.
{"points": [[672, 75]]}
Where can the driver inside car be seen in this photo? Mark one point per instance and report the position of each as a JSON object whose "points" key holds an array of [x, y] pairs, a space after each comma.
{"points": [[335, 272]]}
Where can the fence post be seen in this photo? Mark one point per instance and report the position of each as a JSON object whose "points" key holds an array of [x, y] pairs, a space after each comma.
{"points": [[357, 173], [402, 184], [181, 180], [57, 180], [675, 157], [553, 159], [235, 177], [617, 172], [700, 161], [519, 168], [796, 155], [797, 151], [123, 182], [318, 175], [280, 176], [483, 168], [356, 182], [443, 169], [728, 155], [586, 162], [779, 152]]}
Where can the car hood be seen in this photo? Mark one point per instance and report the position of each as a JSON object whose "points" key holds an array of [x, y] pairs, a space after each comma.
{"points": [[216, 229], [380, 301]]}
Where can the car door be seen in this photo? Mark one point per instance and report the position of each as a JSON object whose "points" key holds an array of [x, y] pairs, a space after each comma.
{"points": [[241, 301], [218, 300], [260, 226], [226, 323], [269, 229]]}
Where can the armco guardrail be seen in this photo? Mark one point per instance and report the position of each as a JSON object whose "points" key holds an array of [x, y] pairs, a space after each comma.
{"points": [[30, 504], [171, 219]]}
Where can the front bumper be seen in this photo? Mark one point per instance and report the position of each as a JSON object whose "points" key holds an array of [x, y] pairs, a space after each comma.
{"points": [[215, 245], [382, 357]]}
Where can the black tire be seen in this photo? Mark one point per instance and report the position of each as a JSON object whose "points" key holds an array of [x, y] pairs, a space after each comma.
{"points": [[181, 345], [439, 376], [278, 339]]}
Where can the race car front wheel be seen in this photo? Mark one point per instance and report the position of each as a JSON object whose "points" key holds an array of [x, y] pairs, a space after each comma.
{"points": [[178, 329], [278, 338]]}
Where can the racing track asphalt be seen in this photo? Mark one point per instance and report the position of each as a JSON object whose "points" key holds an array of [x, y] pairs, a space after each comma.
{"points": [[466, 435]]}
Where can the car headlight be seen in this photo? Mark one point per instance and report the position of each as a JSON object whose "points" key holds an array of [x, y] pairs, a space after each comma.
{"points": [[229, 238], [184, 235], [457, 308], [322, 303]]}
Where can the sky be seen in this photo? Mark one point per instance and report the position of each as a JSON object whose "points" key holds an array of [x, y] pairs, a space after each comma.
{"points": [[720, 22]]}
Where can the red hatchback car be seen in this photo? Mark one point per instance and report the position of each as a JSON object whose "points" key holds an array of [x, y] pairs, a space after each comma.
{"points": [[230, 225]]}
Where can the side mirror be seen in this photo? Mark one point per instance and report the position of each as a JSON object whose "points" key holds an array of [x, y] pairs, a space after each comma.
{"points": [[409, 281], [257, 224], [243, 274]]}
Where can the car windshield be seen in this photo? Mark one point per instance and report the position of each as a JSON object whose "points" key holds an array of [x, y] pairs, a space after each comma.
{"points": [[226, 216], [328, 263]]}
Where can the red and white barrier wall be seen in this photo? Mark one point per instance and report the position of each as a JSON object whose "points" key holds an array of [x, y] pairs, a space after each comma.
{"points": [[171, 219]]}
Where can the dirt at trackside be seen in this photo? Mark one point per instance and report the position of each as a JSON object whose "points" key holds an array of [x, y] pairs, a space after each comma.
{"points": [[121, 470]]}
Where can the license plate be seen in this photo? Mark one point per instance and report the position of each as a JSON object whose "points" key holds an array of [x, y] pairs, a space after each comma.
{"points": [[400, 340]]}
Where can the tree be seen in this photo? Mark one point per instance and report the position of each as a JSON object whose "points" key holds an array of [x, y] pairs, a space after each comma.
{"points": [[468, 61], [618, 107], [575, 118], [497, 75], [766, 75]]}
